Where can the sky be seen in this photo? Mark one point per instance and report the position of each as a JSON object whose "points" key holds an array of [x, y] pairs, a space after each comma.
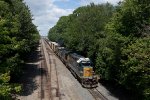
{"points": [[46, 13]]}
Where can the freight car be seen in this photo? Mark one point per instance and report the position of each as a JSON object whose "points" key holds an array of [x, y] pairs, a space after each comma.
{"points": [[80, 66], [58, 51], [54, 46]]}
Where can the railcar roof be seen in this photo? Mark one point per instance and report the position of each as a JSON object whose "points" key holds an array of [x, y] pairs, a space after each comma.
{"points": [[61, 48], [55, 43]]}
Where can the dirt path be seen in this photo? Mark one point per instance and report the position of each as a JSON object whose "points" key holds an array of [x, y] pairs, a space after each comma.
{"points": [[34, 80]]}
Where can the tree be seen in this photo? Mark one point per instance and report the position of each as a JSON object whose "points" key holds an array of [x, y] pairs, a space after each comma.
{"points": [[115, 38], [18, 36], [80, 31], [135, 69], [122, 57]]}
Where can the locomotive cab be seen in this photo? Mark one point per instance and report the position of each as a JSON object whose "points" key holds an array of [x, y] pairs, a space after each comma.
{"points": [[89, 78]]}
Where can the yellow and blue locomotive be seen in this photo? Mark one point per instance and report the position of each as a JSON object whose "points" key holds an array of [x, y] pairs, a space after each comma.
{"points": [[83, 69]]}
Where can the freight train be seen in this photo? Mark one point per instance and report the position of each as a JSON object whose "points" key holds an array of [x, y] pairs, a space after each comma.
{"points": [[80, 66]]}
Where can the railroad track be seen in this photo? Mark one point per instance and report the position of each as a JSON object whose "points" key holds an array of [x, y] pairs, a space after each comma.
{"points": [[97, 95], [52, 72], [45, 78], [94, 92]]}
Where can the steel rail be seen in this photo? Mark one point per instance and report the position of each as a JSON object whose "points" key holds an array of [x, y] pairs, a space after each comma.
{"points": [[97, 94], [45, 66], [49, 51]]}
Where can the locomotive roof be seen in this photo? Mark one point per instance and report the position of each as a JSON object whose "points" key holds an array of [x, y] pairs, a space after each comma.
{"points": [[61, 47], [79, 58], [75, 55], [65, 50], [83, 60]]}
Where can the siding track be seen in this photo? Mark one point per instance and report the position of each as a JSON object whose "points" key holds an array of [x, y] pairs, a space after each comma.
{"points": [[52, 75]]}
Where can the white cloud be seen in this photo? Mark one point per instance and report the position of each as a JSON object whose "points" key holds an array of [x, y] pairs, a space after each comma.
{"points": [[60, 0], [46, 13], [86, 2]]}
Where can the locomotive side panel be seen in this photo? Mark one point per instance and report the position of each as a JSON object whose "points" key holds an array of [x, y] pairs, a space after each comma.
{"points": [[73, 65]]}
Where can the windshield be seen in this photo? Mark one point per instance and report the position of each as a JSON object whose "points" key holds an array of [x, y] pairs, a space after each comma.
{"points": [[86, 64]]}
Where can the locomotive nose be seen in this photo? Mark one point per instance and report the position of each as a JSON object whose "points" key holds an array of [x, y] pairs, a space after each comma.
{"points": [[88, 72]]}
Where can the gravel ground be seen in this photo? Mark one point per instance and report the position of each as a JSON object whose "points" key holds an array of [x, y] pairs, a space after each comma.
{"points": [[34, 82], [31, 77], [106, 93], [69, 87]]}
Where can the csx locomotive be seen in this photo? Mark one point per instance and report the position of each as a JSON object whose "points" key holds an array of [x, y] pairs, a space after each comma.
{"points": [[80, 66]]}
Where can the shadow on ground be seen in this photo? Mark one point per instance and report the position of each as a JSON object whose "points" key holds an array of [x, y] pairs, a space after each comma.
{"points": [[31, 71], [118, 91]]}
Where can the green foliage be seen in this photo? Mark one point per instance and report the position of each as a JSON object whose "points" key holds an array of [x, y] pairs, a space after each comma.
{"points": [[109, 55], [18, 36], [135, 68], [131, 18], [6, 88], [118, 45], [55, 33], [127, 40], [80, 30]]}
